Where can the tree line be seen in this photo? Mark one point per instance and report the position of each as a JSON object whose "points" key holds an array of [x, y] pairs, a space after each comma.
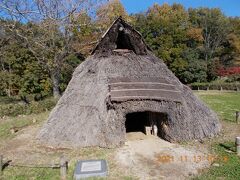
{"points": [[42, 42]]}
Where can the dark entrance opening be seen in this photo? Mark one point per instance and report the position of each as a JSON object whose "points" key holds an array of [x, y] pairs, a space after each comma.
{"points": [[138, 121], [124, 42]]}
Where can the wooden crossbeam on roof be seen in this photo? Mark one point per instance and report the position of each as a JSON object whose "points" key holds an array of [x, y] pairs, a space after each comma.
{"points": [[123, 89]]}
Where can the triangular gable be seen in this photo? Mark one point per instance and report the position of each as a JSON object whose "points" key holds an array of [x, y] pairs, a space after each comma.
{"points": [[122, 36]]}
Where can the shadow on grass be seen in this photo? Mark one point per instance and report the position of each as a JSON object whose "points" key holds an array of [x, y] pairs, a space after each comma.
{"points": [[6, 164], [229, 147]]}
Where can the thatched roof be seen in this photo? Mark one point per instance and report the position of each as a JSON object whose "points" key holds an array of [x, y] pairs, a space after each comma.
{"points": [[121, 35], [113, 82]]}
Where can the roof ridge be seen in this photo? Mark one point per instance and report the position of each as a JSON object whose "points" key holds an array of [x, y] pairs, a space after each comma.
{"points": [[122, 21]]}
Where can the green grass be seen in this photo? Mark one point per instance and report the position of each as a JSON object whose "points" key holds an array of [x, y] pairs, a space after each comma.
{"points": [[19, 122], [8, 100], [20, 173], [229, 163], [224, 103]]}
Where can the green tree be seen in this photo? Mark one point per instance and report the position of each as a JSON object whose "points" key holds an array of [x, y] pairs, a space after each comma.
{"points": [[232, 48], [85, 33], [23, 74], [197, 68], [214, 27], [165, 30], [20, 73], [108, 12]]}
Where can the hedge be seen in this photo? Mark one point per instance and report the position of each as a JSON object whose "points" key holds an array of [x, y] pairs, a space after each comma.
{"points": [[15, 109], [215, 86]]}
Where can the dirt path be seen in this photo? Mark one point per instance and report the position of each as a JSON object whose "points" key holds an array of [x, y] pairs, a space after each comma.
{"points": [[150, 157]]}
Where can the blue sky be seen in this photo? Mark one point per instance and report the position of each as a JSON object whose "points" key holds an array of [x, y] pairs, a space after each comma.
{"points": [[229, 7]]}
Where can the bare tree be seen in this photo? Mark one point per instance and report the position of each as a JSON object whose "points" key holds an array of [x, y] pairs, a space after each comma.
{"points": [[46, 28]]}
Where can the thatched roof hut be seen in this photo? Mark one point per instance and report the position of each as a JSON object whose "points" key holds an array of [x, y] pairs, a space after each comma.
{"points": [[118, 89]]}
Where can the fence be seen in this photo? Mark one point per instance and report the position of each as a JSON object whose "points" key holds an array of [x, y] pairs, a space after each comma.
{"points": [[215, 86]]}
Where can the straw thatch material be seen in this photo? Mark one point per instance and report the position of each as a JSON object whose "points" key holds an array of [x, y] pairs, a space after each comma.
{"points": [[88, 115]]}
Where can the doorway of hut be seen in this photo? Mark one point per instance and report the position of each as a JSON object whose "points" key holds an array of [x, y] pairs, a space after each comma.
{"points": [[147, 122]]}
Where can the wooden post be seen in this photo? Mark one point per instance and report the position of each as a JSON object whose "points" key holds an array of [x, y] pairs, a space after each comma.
{"points": [[63, 168], [1, 165], [237, 116], [221, 89], [238, 145], [148, 130]]}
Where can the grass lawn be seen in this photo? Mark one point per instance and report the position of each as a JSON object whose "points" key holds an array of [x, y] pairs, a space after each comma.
{"points": [[21, 173], [19, 122], [225, 104], [228, 169]]}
